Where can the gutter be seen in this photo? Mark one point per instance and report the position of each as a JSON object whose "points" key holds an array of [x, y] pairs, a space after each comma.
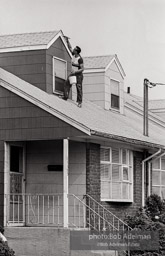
{"points": [[143, 169], [127, 140]]}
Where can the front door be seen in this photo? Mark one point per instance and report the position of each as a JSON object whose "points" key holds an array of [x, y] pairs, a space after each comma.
{"points": [[16, 197]]}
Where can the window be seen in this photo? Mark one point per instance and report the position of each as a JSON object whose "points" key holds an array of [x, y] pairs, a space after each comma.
{"points": [[158, 177], [59, 74], [116, 174], [115, 99]]}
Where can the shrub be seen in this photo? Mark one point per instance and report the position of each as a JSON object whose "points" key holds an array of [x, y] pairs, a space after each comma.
{"points": [[5, 250], [145, 220]]}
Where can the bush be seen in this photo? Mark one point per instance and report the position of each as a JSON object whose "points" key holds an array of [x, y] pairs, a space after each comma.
{"points": [[145, 220], [5, 250]]}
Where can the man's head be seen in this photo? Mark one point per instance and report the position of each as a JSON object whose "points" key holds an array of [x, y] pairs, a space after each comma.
{"points": [[76, 50]]}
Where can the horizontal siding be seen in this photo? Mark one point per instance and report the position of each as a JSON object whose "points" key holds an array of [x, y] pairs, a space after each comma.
{"points": [[30, 59], [29, 66], [21, 120]]}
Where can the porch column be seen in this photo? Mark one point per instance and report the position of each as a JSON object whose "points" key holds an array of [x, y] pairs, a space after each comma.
{"points": [[65, 181]]}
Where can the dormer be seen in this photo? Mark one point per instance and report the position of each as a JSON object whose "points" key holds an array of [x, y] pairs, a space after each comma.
{"points": [[42, 59], [104, 82]]}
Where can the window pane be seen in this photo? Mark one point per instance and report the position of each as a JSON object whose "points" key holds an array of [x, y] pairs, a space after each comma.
{"points": [[105, 171], [163, 193], [124, 156], [115, 101], [105, 154], [163, 163], [116, 191], [125, 173], [115, 172], [115, 87], [105, 189], [156, 190], [163, 178], [125, 189], [156, 164], [115, 156], [155, 178], [60, 68]]}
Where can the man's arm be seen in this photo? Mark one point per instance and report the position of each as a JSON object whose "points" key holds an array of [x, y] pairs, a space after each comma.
{"points": [[81, 69], [80, 66]]}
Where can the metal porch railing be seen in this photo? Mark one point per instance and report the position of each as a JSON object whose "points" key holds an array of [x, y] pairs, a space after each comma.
{"points": [[47, 209], [107, 217], [34, 209]]}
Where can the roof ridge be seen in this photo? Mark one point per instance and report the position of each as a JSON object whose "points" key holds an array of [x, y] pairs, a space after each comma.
{"points": [[97, 56], [39, 32]]}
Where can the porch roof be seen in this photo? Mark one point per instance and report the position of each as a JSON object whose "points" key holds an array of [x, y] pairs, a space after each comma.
{"points": [[91, 119]]}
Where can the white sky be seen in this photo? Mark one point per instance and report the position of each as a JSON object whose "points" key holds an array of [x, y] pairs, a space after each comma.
{"points": [[132, 29]]}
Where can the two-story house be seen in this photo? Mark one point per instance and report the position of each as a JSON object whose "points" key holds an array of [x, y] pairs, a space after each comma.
{"points": [[62, 167]]}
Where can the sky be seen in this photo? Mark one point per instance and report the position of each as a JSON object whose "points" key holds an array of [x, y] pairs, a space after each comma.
{"points": [[132, 29]]}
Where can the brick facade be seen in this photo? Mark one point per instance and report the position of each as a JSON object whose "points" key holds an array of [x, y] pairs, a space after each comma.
{"points": [[93, 170]]}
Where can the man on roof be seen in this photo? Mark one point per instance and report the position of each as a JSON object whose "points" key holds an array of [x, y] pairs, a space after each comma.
{"points": [[77, 72]]}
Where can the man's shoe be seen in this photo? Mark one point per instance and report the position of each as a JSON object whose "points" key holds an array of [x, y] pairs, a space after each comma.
{"points": [[79, 105]]}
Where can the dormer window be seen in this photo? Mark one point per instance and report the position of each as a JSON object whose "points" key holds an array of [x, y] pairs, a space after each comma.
{"points": [[115, 97], [59, 74]]}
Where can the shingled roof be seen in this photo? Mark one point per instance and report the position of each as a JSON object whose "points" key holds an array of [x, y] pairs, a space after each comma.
{"points": [[98, 61], [91, 119], [102, 63], [30, 41]]}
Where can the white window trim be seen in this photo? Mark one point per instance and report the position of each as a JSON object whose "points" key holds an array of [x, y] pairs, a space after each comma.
{"points": [[54, 84], [159, 170], [112, 108], [130, 166]]}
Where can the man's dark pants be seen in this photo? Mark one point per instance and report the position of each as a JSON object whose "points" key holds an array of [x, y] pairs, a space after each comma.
{"points": [[68, 86]]}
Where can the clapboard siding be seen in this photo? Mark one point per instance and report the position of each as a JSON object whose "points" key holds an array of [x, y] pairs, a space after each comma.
{"points": [[26, 121], [29, 66]]}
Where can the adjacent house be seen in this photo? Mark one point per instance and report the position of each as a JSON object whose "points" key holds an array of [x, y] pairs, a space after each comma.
{"points": [[64, 167]]}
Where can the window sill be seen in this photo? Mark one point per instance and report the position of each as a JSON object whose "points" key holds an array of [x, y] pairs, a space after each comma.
{"points": [[58, 93], [117, 110], [117, 200]]}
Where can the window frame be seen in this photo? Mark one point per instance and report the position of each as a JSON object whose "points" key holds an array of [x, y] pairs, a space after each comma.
{"points": [[128, 165], [112, 94], [160, 170], [54, 76]]}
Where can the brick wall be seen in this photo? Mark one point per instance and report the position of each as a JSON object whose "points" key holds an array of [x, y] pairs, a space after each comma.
{"points": [[93, 170], [93, 182]]}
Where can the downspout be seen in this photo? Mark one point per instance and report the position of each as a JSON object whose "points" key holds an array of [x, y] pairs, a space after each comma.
{"points": [[143, 162]]}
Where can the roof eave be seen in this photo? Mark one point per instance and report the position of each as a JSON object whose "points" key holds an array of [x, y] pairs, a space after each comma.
{"points": [[116, 60], [94, 70], [127, 140]]}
